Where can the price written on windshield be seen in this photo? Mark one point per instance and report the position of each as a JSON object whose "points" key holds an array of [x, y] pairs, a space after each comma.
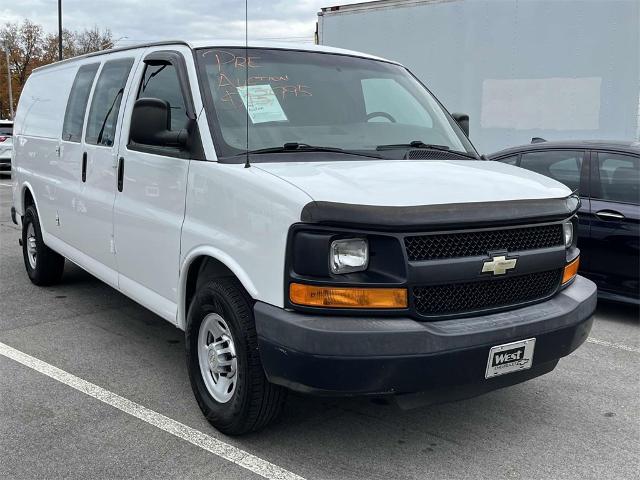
{"points": [[229, 79]]}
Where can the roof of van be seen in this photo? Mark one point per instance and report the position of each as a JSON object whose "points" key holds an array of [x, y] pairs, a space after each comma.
{"points": [[194, 44]]}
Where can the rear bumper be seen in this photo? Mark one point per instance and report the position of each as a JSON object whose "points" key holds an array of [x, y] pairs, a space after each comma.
{"points": [[361, 355]]}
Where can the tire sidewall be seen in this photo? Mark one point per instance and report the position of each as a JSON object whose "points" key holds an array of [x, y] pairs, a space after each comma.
{"points": [[210, 299], [31, 217]]}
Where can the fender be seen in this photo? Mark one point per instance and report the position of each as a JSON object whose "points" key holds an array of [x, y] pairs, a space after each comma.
{"points": [[222, 257], [23, 190]]}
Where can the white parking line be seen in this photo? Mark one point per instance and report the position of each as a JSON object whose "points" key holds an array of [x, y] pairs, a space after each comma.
{"points": [[619, 346], [217, 447]]}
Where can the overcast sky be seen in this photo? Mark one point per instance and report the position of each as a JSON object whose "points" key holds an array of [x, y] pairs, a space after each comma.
{"points": [[142, 20]]}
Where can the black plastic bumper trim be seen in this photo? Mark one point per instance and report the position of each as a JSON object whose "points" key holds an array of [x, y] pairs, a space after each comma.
{"points": [[346, 355]]}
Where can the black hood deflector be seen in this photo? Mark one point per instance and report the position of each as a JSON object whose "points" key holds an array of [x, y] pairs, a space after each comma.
{"points": [[438, 217]]}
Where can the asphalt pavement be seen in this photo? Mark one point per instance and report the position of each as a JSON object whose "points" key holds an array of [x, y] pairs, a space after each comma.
{"points": [[580, 421]]}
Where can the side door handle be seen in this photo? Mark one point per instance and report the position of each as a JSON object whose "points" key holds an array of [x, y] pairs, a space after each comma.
{"points": [[84, 167], [609, 215], [120, 173]]}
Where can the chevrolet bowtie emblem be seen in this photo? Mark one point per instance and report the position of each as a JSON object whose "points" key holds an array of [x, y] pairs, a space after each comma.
{"points": [[499, 265]]}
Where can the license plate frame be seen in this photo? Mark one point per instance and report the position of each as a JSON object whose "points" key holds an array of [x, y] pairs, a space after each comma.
{"points": [[510, 357]]}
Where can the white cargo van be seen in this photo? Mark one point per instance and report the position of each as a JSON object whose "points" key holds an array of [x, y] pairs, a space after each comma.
{"points": [[313, 219]]}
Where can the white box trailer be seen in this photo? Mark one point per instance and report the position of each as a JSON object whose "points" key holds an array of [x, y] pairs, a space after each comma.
{"points": [[521, 69]]}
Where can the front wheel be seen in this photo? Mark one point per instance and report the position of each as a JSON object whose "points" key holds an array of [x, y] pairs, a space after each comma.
{"points": [[224, 363], [44, 266]]}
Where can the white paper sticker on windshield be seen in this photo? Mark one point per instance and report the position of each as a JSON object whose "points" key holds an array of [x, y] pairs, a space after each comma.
{"points": [[262, 104]]}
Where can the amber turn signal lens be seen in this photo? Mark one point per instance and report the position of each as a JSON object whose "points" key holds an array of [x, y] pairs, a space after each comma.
{"points": [[347, 297], [570, 271]]}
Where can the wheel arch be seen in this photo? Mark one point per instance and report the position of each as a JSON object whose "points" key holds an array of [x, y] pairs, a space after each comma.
{"points": [[207, 262], [27, 197]]}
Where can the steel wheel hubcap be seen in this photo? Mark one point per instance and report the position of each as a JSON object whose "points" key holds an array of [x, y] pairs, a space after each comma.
{"points": [[217, 357], [32, 244]]}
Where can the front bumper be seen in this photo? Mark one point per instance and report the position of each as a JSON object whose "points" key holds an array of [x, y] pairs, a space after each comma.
{"points": [[350, 355]]}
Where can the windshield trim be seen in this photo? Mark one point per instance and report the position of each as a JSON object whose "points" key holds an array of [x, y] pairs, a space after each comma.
{"points": [[238, 155]]}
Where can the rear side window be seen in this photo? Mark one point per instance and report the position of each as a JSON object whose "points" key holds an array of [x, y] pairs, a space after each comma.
{"points": [[161, 81], [105, 105], [561, 165], [77, 104], [511, 160], [619, 177]]}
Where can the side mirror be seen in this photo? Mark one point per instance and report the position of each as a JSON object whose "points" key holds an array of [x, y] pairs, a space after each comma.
{"points": [[151, 124], [463, 121]]}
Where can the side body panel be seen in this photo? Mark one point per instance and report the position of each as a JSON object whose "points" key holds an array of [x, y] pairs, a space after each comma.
{"points": [[97, 194], [149, 212], [615, 252], [240, 216], [37, 163], [614, 241], [71, 164]]}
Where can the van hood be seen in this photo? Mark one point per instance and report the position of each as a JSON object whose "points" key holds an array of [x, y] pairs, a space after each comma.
{"points": [[413, 182]]}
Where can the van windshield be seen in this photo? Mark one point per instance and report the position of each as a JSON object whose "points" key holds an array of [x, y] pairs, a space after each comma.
{"points": [[318, 99]]}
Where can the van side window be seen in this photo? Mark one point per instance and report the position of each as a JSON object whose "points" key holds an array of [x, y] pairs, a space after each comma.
{"points": [[77, 103], [161, 81], [105, 105]]}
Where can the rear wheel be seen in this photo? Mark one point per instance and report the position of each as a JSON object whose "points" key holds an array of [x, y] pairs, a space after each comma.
{"points": [[44, 266], [224, 363]]}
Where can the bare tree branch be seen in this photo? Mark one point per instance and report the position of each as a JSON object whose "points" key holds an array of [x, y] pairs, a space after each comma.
{"points": [[30, 47]]}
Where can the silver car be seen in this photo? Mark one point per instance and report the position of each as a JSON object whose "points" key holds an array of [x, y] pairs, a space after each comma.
{"points": [[6, 142]]}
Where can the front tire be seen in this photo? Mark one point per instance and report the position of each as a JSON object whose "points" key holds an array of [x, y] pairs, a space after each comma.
{"points": [[224, 364], [44, 266]]}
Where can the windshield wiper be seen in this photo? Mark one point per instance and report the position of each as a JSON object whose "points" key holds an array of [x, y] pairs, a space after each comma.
{"points": [[419, 144], [303, 147]]}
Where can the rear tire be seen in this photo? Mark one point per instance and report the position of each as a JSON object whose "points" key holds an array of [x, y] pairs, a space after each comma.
{"points": [[221, 314], [44, 266]]}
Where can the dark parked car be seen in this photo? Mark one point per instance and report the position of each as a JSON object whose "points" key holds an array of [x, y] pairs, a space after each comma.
{"points": [[607, 177]]}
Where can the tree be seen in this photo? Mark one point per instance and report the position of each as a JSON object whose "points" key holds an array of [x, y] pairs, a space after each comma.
{"points": [[29, 48], [92, 40], [76, 43], [50, 50], [25, 43]]}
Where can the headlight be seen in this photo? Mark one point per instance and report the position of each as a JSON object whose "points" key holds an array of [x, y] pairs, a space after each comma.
{"points": [[348, 256], [567, 227]]}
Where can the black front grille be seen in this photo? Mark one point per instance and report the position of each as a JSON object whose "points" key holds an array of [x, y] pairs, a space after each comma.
{"points": [[468, 297], [479, 243]]}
